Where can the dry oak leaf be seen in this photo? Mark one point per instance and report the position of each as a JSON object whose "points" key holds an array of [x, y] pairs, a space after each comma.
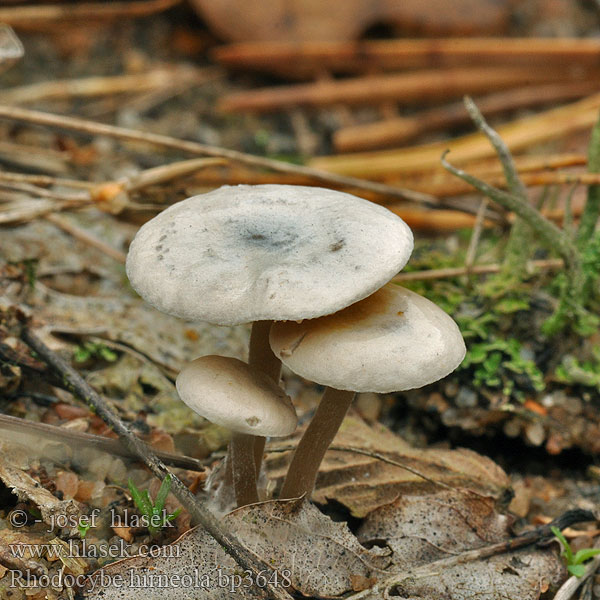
{"points": [[314, 555], [421, 527], [428, 533], [364, 483], [160, 337], [27, 488]]}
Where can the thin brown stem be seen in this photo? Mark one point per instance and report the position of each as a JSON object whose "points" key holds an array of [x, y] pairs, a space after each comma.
{"points": [[261, 357], [303, 470], [244, 471]]}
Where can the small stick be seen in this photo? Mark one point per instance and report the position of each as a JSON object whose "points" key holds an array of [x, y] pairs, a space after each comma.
{"points": [[476, 235], [353, 57], [198, 511], [517, 135], [389, 132], [164, 173], [90, 127], [40, 192], [87, 238], [109, 196], [45, 180], [102, 86], [548, 231], [404, 88], [551, 263], [445, 187], [79, 438]]}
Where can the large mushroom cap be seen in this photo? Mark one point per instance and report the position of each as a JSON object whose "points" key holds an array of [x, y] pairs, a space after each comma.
{"points": [[391, 341], [267, 252], [226, 391]]}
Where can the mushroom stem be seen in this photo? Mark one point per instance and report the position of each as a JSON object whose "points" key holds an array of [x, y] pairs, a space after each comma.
{"points": [[303, 470], [243, 470], [260, 356]]}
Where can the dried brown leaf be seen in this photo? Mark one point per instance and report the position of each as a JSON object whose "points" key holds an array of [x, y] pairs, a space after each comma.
{"points": [[424, 528], [27, 488], [317, 556], [364, 483], [524, 575]]}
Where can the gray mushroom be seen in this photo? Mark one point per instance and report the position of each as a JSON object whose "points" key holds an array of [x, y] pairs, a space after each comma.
{"points": [[228, 392], [393, 340], [266, 253]]}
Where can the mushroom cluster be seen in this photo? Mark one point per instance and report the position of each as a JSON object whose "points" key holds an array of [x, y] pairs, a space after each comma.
{"points": [[290, 255]]}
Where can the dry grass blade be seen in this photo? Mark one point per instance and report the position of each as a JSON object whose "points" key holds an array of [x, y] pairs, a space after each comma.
{"points": [[103, 86]]}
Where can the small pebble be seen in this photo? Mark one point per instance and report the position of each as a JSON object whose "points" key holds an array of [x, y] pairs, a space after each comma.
{"points": [[466, 398], [535, 433]]}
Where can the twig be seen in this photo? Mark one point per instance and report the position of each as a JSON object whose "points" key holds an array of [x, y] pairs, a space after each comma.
{"points": [[404, 88], [476, 235], [571, 585], [553, 263], [515, 256], [515, 185], [199, 513], [518, 135], [164, 173], [111, 196], [351, 57], [548, 231], [34, 157], [45, 180], [62, 434], [389, 132], [102, 86], [93, 128], [526, 539], [87, 238], [40, 192]]}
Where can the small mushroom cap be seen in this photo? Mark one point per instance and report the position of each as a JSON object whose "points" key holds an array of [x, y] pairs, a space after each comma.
{"points": [[266, 252], [226, 391], [391, 341]]}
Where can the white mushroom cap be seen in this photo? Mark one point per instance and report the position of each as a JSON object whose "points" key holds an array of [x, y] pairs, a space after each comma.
{"points": [[226, 391], [391, 341], [267, 252]]}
